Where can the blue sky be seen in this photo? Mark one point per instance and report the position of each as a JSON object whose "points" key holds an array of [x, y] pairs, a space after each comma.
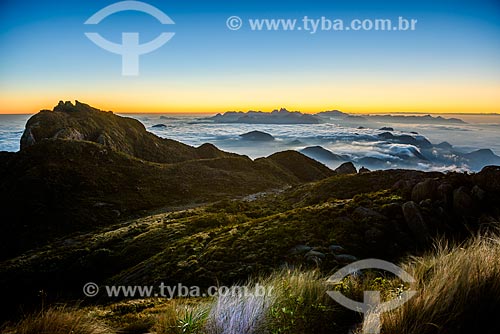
{"points": [[205, 67]]}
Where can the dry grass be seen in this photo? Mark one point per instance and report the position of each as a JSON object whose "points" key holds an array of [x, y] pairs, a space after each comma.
{"points": [[458, 291], [60, 320]]}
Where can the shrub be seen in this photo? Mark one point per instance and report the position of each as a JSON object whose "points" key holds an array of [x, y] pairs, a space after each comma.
{"points": [[181, 319]]}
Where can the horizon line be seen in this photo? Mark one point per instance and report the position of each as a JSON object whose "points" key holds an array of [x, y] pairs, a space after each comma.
{"points": [[310, 113]]}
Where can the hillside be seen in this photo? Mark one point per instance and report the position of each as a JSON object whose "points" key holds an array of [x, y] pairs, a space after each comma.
{"points": [[65, 179], [385, 214]]}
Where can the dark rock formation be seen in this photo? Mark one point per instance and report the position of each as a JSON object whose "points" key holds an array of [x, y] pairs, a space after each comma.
{"points": [[462, 201], [363, 170], [424, 190], [346, 168], [415, 222]]}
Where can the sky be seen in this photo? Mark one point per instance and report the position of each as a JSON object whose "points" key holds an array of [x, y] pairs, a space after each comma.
{"points": [[449, 64]]}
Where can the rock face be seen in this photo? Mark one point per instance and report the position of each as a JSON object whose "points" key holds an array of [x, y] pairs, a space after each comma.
{"points": [[346, 168], [415, 221], [257, 136]]}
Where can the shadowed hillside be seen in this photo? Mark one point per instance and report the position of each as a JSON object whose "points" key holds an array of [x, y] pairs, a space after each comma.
{"points": [[67, 179]]}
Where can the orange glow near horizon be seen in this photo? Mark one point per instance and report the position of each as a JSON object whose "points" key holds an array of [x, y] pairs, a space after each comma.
{"points": [[350, 97]]}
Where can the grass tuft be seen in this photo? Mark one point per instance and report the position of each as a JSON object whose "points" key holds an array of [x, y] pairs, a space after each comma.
{"points": [[60, 320]]}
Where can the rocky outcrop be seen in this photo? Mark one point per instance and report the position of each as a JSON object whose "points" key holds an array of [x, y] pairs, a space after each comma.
{"points": [[346, 168]]}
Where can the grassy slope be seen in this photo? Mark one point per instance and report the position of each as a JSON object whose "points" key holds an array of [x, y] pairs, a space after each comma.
{"points": [[234, 239], [61, 186]]}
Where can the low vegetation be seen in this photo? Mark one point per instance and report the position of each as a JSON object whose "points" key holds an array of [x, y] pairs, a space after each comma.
{"points": [[458, 291]]}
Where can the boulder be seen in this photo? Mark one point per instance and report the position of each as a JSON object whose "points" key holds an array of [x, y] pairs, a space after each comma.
{"points": [[361, 213], [415, 221], [345, 258], [299, 249], [424, 190], [478, 193], [488, 178], [445, 193], [314, 257], [373, 235], [462, 201], [313, 253], [336, 249]]}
